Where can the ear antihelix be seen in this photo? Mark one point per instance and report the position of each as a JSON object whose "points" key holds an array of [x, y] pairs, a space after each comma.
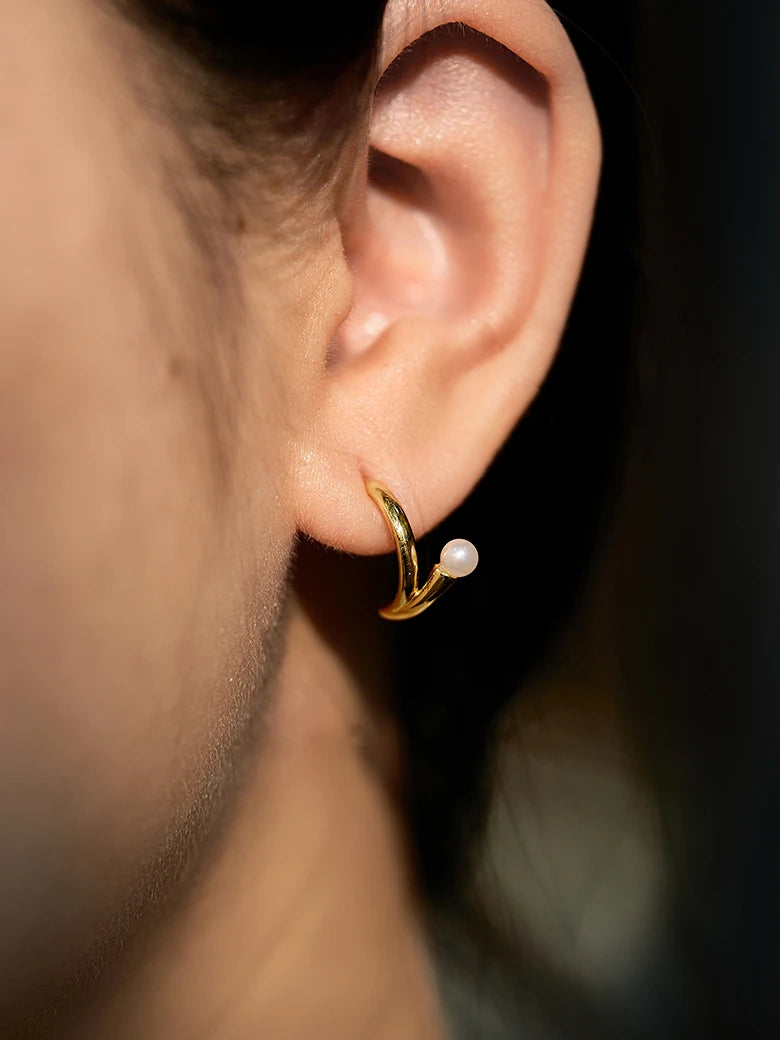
{"points": [[458, 559]]}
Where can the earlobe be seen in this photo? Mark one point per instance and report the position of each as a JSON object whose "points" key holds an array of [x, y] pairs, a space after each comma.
{"points": [[464, 239]]}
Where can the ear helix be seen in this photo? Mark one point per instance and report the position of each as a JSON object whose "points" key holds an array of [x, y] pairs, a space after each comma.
{"points": [[458, 558]]}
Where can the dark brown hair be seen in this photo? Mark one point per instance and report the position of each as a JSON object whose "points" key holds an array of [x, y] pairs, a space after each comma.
{"points": [[263, 87]]}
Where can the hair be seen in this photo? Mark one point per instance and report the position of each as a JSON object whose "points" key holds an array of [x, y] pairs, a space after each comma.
{"points": [[262, 91]]}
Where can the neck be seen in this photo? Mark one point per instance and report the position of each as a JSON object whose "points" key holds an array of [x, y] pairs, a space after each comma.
{"points": [[304, 924]]}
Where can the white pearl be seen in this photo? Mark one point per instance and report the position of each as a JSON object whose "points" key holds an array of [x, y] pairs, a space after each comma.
{"points": [[458, 558]]}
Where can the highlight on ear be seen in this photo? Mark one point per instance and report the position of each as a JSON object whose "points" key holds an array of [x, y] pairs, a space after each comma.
{"points": [[464, 238], [460, 128]]}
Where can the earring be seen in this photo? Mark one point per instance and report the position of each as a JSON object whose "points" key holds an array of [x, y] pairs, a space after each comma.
{"points": [[458, 558]]}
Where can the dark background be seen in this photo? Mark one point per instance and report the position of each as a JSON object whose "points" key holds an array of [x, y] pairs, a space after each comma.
{"points": [[649, 463]]}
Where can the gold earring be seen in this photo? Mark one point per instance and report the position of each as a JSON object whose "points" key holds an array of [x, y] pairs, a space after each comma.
{"points": [[458, 558]]}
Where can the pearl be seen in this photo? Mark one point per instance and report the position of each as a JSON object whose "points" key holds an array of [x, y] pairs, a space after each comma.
{"points": [[458, 558]]}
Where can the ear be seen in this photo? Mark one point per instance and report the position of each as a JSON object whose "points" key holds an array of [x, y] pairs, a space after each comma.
{"points": [[464, 237]]}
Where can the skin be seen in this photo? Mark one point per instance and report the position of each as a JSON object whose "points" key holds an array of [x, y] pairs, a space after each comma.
{"points": [[198, 762], [142, 581]]}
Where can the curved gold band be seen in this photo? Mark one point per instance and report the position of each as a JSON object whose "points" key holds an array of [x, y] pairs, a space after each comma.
{"points": [[410, 599]]}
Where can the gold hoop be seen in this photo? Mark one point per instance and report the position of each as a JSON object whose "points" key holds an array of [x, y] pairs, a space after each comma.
{"points": [[458, 558]]}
